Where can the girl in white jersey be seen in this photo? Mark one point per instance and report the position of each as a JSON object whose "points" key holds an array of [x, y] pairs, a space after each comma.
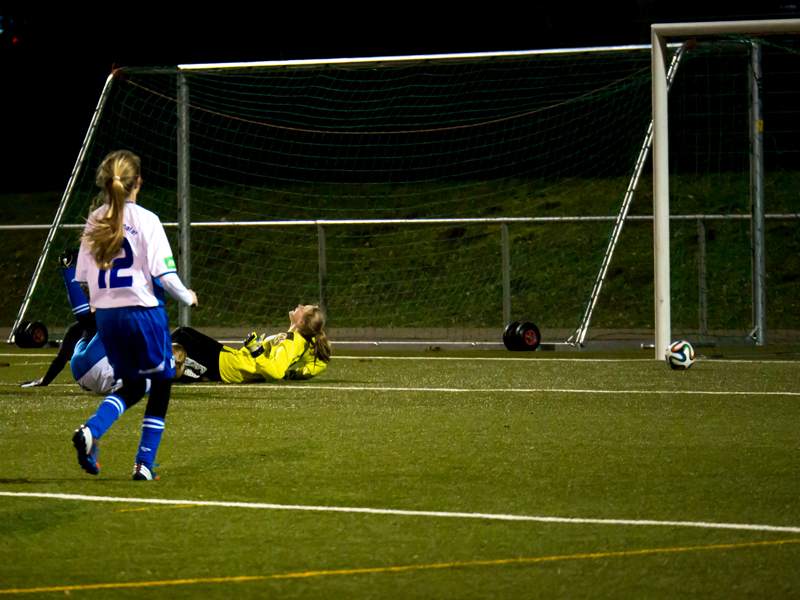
{"points": [[126, 261]]}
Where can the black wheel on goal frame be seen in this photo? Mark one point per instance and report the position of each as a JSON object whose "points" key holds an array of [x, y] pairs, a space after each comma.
{"points": [[528, 337], [509, 336], [31, 335]]}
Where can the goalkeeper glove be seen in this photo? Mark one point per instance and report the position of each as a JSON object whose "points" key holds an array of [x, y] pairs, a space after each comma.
{"points": [[254, 345], [36, 383], [68, 259]]}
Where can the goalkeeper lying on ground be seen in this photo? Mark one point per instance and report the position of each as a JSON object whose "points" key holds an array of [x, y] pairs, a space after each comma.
{"points": [[301, 353]]}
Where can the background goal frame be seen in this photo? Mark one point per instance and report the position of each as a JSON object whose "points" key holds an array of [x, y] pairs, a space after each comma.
{"points": [[658, 35]]}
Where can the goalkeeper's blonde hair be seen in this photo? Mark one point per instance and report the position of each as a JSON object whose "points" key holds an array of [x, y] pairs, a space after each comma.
{"points": [[179, 352], [312, 329], [117, 177]]}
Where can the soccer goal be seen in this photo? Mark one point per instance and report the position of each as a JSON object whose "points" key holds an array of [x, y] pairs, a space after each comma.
{"points": [[725, 169], [416, 199]]}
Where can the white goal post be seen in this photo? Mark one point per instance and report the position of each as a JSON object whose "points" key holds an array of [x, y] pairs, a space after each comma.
{"points": [[658, 36]]}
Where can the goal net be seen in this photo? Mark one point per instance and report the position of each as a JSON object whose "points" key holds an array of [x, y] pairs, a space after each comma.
{"points": [[380, 188], [432, 198]]}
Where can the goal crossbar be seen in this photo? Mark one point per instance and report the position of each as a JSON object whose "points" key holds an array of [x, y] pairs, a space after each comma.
{"points": [[365, 61]]}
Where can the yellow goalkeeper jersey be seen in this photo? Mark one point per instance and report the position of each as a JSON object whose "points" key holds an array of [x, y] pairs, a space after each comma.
{"points": [[286, 354]]}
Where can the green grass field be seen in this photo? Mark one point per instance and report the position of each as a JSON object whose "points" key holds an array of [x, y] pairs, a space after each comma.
{"points": [[678, 484]]}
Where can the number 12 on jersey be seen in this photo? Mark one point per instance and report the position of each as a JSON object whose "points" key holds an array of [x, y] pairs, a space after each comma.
{"points": [[121, 262]]}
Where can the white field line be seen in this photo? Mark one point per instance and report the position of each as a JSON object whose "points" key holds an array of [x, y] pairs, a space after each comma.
{"points": [[510, 358], [496, 390], [410, 513], [532, 359], [72, 385], [500, 358], [30, 364], [506, 359], [312, 387], [518, 359]]}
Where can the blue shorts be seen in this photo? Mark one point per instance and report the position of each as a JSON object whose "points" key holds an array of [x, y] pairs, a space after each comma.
{"points": [[137, 341]]}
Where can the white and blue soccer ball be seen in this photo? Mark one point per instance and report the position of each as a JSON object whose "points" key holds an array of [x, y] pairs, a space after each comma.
{"points": [[680, 355]]}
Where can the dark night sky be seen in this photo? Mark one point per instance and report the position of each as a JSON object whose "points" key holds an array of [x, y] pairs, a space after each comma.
{"points": [[53, 73]]}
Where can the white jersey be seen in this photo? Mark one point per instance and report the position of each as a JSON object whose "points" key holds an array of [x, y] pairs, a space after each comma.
{"points": [[90, 367], [100, 379], [145, 256]]}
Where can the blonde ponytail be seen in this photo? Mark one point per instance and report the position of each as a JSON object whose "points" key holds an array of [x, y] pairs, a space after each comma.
{"points": [[117, 177], [311, 328], [322, 347]]}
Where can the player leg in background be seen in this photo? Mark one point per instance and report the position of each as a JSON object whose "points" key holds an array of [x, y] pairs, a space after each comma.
{"points": [[202, 355], [77, 299], [152, 428], [73, 334], [157, 361]]}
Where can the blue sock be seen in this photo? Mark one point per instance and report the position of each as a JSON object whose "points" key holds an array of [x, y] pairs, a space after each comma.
{"points": [[77, 299], [152, 428], [109, 411]]}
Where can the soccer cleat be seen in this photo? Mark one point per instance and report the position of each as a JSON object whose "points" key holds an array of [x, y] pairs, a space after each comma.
{"points": [[87, 449], [142, 473], [254, 345], [68, 259]]}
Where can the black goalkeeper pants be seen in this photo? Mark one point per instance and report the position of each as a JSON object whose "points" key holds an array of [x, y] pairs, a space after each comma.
{"points": [[84, 326], [200, 349]]}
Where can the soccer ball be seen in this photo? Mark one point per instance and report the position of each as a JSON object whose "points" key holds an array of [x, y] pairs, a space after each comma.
{"points": [[680, 355]]}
